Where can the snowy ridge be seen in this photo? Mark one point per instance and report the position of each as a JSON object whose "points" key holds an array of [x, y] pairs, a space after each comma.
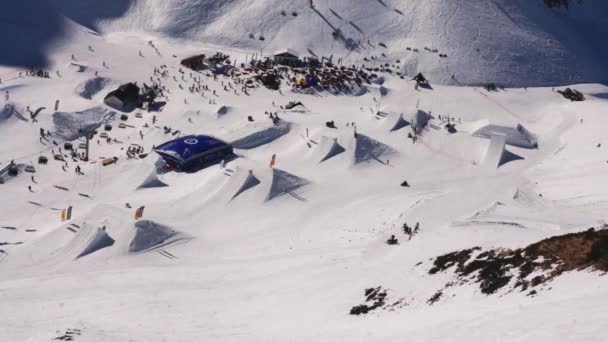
{"points": [[512, 43]]}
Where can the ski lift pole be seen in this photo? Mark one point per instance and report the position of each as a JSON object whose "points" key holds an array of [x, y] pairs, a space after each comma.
{"points": [[86, 155]]}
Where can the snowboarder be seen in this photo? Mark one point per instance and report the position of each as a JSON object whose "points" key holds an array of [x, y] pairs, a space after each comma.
{"points": [[416, 227], [392, 240], [405, 184]]}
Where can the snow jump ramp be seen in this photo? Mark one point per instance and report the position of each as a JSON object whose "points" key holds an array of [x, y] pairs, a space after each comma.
{"points": [[284, 183], [98, 241], [367, 149], [327, 148], [152, 181], [263, 136], [250, 181], [517, 136], [400, 123], [497, 155], [150, 236]]}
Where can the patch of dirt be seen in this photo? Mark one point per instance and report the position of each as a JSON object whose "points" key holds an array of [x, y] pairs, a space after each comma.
{"points": [[434, 298], [531, 266], [68, 335], [376, 298]]}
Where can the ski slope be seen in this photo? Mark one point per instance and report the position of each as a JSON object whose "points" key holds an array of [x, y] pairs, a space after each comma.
{"points": [[284, 253], [512, 43]]}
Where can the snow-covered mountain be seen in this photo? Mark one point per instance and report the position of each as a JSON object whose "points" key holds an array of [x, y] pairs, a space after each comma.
{"points": [[288, 241], [508, 42]]}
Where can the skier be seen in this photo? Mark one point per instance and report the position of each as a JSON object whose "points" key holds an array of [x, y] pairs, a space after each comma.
{"points": [[406, 228], [416, 227], [392, 240]]}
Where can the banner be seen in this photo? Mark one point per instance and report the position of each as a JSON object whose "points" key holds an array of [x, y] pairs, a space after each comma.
{"points": [[66, 214], [139, 212]]}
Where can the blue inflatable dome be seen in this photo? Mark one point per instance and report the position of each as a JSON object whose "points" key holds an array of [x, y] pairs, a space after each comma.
{"points": [[194, 152]]}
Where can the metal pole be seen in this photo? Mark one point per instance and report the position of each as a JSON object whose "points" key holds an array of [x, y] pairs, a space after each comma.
{"points": [[86, 156]]}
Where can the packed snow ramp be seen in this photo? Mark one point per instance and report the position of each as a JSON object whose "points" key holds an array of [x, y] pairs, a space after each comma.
{"points": [[283, 183], [367, 149], [497, 155], [100, 240]]}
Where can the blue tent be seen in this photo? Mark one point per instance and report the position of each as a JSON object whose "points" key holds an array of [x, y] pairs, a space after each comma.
{"points": [[194, 152]]}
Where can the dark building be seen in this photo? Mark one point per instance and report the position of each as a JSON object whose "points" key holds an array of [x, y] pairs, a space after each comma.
{"points": [[126, 98], [195, 62], [286, 57]]}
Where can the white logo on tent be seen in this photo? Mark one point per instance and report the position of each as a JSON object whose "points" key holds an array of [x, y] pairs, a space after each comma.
{"points": [[191, 141]]}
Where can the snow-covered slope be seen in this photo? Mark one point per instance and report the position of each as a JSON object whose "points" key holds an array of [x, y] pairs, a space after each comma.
{"points": [[285, 255], [508, 42]]}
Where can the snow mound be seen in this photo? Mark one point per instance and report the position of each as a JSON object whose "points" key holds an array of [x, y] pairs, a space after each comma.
{"points": [[262, 137], [515, 136], [383, 91], [334, 150], [222, 110], [249, 183], [4, 174], [284, 182], [151, 235], [400, 123], [6, 112], [100, 240], [367, 148], [91, 87], [70, 125], [152, 181], [420, 118], [9, 110], [497, 155]]}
